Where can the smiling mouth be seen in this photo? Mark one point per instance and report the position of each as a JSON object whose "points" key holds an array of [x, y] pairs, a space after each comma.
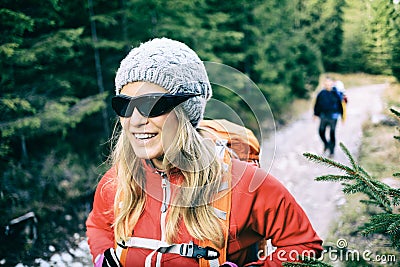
{"points": [[144, 136]]}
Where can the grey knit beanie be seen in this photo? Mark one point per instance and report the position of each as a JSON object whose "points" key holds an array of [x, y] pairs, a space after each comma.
{"points": [[171, 65]]}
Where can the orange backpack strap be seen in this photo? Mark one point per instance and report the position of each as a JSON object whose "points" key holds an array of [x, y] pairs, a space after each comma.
{"points": [[222, 206], [121, 251]]}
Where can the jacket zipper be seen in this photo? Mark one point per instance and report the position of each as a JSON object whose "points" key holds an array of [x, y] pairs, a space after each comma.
{"points": [[164, 207], [166, 192]]}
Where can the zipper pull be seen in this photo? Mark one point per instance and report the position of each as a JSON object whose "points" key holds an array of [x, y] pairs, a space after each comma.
{"points": [[166, 192]]}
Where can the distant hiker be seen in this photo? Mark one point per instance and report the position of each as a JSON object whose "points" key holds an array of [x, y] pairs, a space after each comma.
{"points": [[171, 198], [328, 107]]}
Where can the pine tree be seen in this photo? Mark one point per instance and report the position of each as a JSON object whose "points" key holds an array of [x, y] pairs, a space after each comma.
{"points": [[322, 23], [352, 57], [377, 43], [395, 21]]}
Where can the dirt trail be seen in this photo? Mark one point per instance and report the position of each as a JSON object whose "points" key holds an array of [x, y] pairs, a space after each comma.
{"points": [[320, 200]]}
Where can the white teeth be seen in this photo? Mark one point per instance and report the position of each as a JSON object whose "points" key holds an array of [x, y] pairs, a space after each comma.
{"points": [[144, 135]]}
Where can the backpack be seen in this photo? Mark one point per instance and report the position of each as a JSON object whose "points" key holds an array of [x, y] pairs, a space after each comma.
{"points": [[239, 140], [343, 98], [232, 141]]}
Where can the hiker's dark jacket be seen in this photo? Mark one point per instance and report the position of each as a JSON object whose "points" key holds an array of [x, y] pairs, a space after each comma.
{"points": [[328, 104]]}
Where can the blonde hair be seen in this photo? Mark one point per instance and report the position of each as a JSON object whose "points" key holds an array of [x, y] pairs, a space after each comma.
{"points": [[201, 171]]}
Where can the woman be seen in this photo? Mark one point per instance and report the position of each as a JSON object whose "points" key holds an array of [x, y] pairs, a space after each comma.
{"points": [[165, 190]]}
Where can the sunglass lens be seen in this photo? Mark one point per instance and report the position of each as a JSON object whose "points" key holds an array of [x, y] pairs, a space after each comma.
{"points": [[167, 103], [147, 105], [121, 106], [150, 106]]}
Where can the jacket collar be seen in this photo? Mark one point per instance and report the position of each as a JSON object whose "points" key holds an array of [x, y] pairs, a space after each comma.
{"points": [[174, 175]]}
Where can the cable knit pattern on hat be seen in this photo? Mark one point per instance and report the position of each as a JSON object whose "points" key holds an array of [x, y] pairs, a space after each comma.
{"points": [[171, 65]]}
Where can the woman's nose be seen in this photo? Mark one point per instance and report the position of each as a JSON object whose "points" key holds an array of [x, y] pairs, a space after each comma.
{"points": [[137, 119]]}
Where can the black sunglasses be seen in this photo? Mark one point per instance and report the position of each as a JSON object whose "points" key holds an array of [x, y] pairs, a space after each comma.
{"points": [[149, 105]]}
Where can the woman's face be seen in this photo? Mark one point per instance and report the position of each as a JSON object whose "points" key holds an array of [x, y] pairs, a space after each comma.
{"points": [[149, 137]]}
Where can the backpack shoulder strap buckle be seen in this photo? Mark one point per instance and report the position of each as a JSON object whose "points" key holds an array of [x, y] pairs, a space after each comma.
{"points": [[192, 250]]}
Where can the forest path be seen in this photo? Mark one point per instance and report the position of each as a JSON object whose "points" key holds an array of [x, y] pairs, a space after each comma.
{"points": [[320, 200]]}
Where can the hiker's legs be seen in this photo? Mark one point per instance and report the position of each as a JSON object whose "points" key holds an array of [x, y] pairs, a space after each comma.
{"points": [[322, 128], [332, 141]]}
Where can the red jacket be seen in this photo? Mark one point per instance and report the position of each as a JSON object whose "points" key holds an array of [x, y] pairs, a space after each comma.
{"points": [[267, 211]]}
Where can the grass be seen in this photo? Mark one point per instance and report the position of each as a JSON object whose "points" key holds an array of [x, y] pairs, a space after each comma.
{"points": [[379, 151], [379, 155], [392, 97]]}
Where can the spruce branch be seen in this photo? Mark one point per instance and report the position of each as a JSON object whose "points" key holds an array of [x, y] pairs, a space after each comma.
{"points": [[378, 191], [334, 178], [363, 182], [369, 202], [372, 228], [349, 156], [379, 224], [395, 194], [364, 172], [394, 228], [350, 189], [386, 224], [328, 162], [395, 112], [380, 184]]}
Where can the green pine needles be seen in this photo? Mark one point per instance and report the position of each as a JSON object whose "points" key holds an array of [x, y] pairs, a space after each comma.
{"points": [[355, 179]]}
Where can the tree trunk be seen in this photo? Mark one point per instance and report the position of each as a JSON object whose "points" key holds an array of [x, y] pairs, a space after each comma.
{"points": [[24, 151], [124, 24], [99, 73]]}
